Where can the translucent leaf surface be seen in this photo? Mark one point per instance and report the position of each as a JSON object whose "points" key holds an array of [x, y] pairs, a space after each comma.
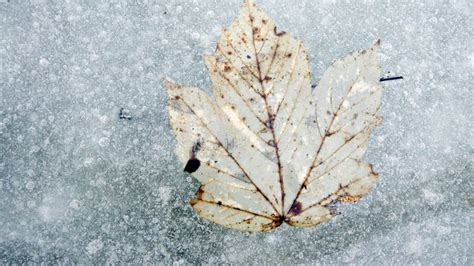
{"points": [[271, 150]]}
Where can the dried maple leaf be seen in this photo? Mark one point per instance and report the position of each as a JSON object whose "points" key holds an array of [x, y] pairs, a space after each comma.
{"points": [[266, 148]]}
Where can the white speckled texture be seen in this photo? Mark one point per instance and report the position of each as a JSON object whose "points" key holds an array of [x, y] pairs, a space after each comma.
{"points": [[78, 184]]}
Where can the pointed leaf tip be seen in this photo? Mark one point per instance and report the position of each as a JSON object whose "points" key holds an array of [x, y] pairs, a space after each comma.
{"points": [[167, 82], [376, 42]]}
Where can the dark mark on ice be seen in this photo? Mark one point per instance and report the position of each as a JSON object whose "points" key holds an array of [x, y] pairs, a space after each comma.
{"points": [[390, 78], [380, 80], [124, 114], [387, 78]]}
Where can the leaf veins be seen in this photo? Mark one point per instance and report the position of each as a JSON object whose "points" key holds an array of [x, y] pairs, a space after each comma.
{"points": [[271, 150]]}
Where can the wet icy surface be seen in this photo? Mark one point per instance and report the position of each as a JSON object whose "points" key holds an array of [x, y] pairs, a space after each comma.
{"points": [[79, 184]]}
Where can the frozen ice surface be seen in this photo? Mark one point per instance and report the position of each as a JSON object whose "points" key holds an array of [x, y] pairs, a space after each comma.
{"points": [[79, 184]]}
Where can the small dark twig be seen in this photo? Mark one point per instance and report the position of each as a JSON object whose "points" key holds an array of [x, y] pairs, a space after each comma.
{"points": [[381, 80], [390, 78]]}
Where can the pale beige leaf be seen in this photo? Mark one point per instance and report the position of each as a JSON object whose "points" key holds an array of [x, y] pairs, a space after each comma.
{"points": [[224, 154], [271, 150]]}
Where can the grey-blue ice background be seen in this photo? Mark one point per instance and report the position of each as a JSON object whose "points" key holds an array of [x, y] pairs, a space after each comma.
{"points": [[77, 184]]}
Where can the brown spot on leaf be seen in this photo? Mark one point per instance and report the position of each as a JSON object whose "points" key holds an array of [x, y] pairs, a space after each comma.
{"points": [[247, 221], [295, 209], [177, 97], [349, 198]]}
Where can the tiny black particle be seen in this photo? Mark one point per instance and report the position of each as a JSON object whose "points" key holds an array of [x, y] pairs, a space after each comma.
{"points": [[123, 114]]}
